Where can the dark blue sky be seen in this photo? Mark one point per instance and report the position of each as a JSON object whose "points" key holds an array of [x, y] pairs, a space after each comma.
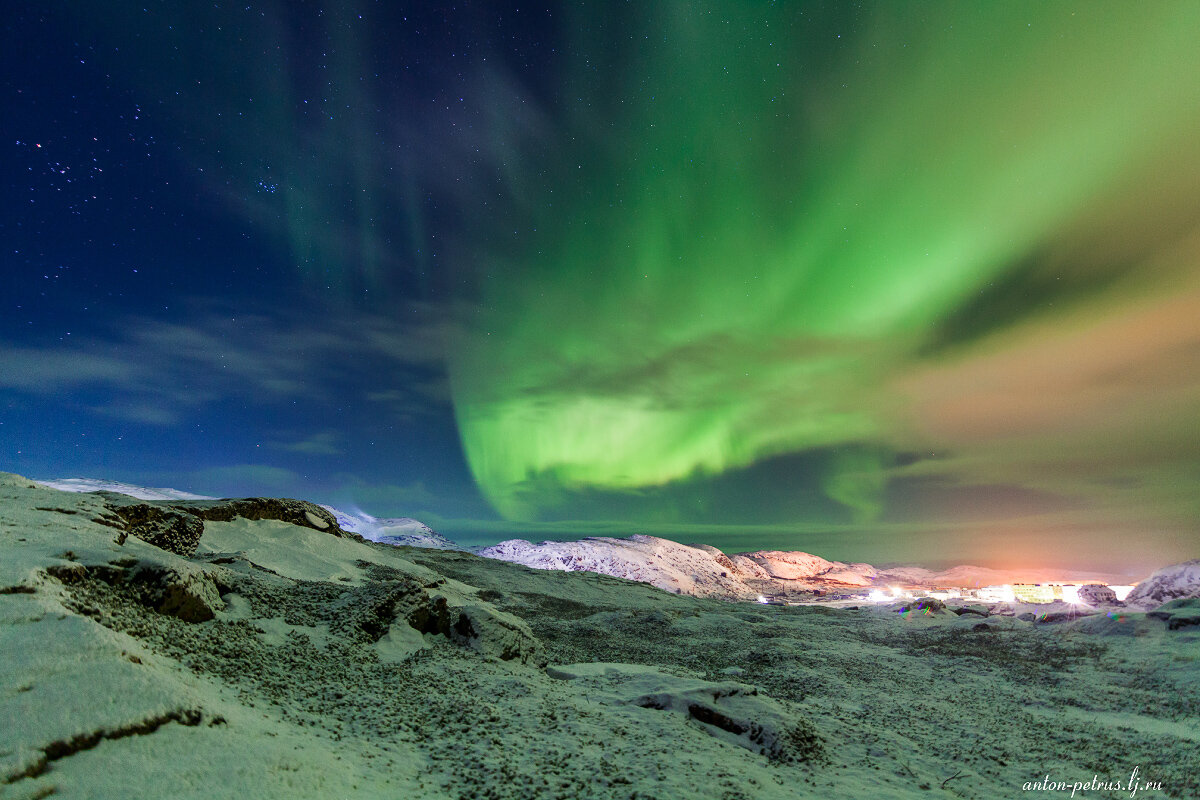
{"points": [[226, 237]]}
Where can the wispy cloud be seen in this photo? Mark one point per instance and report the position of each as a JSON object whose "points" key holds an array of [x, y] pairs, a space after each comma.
{"points": [[324, 443], [159, 372]]}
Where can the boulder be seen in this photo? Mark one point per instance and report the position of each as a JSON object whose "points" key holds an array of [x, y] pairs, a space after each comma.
{"points": [[928, 605], [734, 712], [190, 594]]}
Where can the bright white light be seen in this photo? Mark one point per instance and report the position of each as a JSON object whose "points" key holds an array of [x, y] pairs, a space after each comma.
{"points": [[1071, 593], [877, 596], [762, 599], [1122, 591], [997, 594]]}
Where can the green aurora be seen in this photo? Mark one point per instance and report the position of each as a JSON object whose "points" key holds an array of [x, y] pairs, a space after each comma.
{"points": [[945, 245]]}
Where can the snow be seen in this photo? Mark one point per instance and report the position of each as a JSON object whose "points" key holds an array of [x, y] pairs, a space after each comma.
{"points": [[140, 492], [668, 565], [705, 571], [404, 531], [306, 683], [398, 531], [1168, 583]]}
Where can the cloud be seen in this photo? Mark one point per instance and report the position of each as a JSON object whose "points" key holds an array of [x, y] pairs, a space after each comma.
{"points": [[325, 443], [161, 372], [53, 369]]}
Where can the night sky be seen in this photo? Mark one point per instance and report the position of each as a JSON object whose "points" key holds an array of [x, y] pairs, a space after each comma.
{"points": [[911, 282]]}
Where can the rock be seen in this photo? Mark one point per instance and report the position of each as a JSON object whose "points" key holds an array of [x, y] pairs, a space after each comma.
{"points": [[190, 595], [1184, 619], [174, 531], [1027, 616], [477, 625], [1168, 583], [179, 590], [929, 605], [982, 627], [1169, 609], [977, 610], [316, 521], [441, 610], [734, 712], [1183, 612], [297, 512]]}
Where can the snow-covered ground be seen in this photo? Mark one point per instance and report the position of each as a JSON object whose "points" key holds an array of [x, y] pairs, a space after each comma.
{"points": [[279, 659], [398, 531]]}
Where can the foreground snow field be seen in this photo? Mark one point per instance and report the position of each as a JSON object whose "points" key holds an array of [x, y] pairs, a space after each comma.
{"points": [[257, 649]]}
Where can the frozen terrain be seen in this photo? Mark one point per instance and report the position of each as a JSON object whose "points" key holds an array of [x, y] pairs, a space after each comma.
{"points": [[400, 531], [1169, 583], [254, 648], [705, 571]]}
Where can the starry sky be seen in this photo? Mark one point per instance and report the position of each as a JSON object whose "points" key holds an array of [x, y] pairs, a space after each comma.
{"points": [[893, 281]]}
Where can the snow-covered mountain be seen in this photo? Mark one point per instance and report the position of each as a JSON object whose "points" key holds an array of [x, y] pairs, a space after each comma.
{"points": [[683, 569], [1168, 583], [400, 531], [140, 492], [706, 571]]}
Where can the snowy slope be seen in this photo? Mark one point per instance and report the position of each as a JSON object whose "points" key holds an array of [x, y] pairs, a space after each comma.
{"points": [[400, 531], [683, 569], [140, 492], [1168, 583]]}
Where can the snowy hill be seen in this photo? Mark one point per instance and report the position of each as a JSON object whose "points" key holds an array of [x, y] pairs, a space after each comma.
{"points": [[140, 492], [678, 568], [705, 571], [1168, 583], [401, 531]]}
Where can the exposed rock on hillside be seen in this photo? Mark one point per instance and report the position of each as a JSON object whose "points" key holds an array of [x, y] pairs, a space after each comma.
{"points": [[1169, 583]]}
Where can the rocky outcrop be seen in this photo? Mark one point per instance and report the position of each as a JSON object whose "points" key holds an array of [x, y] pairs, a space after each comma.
{"points": [[1169, 583], [441, 608], [174, 531], [177, 526], [180, 590], [477, 625], [297, 512], [1180, 613]]}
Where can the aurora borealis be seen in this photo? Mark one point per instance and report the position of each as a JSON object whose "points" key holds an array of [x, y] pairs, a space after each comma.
{"points": [[759, 262], [780, 273]]}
